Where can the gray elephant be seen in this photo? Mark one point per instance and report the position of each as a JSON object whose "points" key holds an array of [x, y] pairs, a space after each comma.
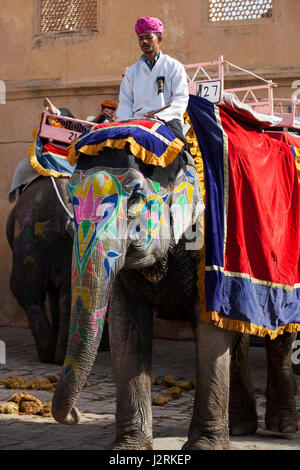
{"points": [[128, 246], [133, 251], [40, 232]]}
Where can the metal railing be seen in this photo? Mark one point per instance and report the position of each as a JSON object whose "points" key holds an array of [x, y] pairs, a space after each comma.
{"points": [[219, 70], [208, 79]]}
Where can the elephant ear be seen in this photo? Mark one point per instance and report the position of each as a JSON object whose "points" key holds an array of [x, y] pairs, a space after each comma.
{"points": [[187, 207]]}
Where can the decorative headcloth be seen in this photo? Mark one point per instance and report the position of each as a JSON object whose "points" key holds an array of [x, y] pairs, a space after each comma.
{"points": [[109, 104], [148, 24]]}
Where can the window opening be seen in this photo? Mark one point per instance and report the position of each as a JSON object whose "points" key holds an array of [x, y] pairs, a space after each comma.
{"points": [[239, 10], [68, 15]]}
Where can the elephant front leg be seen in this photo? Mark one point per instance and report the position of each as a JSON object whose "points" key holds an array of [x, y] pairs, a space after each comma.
{"points": [[209, 428], [29, 288], [43, 333], [242, 403], [61, 309], [281, 412], [130, 335]]}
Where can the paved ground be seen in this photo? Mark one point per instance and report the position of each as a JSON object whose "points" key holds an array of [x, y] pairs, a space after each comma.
{"points": [[97, 402]]}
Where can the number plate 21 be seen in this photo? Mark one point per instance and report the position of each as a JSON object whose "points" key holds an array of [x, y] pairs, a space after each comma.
{"points": [[210, 90]]}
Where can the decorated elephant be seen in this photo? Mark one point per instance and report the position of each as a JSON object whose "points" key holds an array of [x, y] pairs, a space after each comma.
{"points": [[133, 251], [130, 218], [40, 232], [126, 248]]}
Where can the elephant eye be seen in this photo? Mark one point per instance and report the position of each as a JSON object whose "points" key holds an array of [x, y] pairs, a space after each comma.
{"points": [[136, 195]]}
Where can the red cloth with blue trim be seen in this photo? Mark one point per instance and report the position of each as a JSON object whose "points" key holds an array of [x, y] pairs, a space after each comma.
{"points": [[252, 225]]}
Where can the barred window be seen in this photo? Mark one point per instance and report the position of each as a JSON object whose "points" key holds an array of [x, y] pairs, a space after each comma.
{"points": [[68, 15], [239, 10]]}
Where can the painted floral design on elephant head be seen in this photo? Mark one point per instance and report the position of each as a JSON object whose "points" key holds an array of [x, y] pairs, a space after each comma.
{"points": [[97, 204], [102, 213], [150, 217]]}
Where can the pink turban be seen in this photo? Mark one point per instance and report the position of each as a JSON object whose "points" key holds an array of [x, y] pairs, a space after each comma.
{"points": [[148, 24]]}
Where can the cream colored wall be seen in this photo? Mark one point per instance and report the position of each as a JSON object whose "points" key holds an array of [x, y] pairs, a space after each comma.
{"points": [[77, 70], [102, 56]]}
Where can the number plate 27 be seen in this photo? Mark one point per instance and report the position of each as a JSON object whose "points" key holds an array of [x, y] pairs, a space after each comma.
{"points": [[210, 90]]}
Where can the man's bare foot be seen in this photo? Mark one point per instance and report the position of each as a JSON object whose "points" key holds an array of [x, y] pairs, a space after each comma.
{"points": [[47, 104]]}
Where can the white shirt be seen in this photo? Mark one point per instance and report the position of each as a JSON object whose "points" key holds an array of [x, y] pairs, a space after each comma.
{"points": [[139, 90]]}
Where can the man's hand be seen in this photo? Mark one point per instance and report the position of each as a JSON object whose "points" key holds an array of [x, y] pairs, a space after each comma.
{"points": [[50, 106], [150, 115], [153, 116], [107, 112]]}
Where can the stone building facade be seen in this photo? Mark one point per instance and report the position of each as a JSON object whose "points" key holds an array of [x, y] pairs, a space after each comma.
{"points": [[75, 51]]}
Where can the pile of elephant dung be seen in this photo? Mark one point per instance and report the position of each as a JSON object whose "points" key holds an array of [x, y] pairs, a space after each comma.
{"points": [[174, 389], [47, 383], [25, 404]]}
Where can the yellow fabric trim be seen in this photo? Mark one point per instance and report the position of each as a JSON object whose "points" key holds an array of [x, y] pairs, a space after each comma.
{"points": [[245, 327], [196, 153], [297, 150], [136, 149], [35, 164]]}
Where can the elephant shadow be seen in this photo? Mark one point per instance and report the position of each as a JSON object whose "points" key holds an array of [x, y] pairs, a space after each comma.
{"points": [[33, 434]]}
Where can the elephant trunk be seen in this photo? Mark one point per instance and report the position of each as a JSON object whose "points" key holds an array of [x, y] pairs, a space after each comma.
{"points": [[73, 378], [73, 417], [91, 290]]}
